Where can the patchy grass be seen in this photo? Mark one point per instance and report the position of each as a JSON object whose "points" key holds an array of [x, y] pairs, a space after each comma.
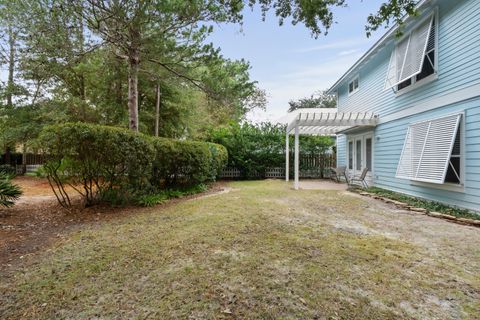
{"points": [[261, 251], [425, 204]]}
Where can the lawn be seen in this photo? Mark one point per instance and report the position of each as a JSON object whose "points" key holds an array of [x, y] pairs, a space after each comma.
{"points": [[260, 251]]}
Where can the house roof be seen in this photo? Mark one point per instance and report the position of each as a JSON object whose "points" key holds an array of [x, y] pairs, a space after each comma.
{"points": [[389, 35]]}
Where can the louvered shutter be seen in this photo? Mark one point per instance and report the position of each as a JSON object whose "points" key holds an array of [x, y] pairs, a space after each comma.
{"points": [[416, 51], [427, 149], [408, 56]]}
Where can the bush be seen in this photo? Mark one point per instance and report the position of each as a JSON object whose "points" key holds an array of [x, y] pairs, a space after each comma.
{"points": [[118, 165], [9, 192], [8, 170], [186, 162], [95, 159]]}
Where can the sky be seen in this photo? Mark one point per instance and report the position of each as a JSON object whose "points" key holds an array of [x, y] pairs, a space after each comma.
{"points": [[288, 62]]}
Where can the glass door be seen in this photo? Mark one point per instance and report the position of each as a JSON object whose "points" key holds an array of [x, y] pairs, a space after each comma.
{"points": [[360, 153]]}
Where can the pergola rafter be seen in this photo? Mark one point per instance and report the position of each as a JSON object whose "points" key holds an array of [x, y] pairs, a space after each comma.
{"points": [[322, 121]]}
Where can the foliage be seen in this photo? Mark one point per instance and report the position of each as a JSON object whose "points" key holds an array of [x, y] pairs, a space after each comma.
{"points": [[252, 148], [117, 165], [150, 200], [9, 192], [97, 158], [7, 170], [317, 100], [426, 204], [186, 162]]}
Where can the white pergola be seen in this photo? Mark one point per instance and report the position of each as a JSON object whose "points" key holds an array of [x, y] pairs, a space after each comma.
{"points": [[321, 121]]}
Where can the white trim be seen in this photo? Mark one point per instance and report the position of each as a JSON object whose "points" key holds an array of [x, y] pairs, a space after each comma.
{"points": [[434, 103]]}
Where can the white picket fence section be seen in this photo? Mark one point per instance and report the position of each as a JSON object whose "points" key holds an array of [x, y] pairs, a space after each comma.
{"points": [[29, 168]]}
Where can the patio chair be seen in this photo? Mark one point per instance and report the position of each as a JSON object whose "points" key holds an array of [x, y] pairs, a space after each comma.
{"points": [[360, 178], [339, 172]]}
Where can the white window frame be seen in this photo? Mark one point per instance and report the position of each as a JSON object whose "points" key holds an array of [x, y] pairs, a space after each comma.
{"points": [[416, 84], [450, 186], [355, 90]]}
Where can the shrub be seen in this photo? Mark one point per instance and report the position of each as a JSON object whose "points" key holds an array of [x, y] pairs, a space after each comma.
{"points": [[9, 192], [8, 170], [95, 159], [186, 162], [118, 165]]}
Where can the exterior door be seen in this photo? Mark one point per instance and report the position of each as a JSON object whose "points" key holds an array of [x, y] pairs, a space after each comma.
{"points": [[360, 154]]}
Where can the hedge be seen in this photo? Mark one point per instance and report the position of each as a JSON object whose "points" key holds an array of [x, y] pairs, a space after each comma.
{"points": [[100, 161]]}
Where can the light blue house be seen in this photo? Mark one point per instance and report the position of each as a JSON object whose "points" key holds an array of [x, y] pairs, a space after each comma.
{"points": [[416, 105]]}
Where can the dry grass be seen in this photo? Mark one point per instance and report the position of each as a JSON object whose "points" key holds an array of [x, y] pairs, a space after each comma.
{"points": [[261, 251]]}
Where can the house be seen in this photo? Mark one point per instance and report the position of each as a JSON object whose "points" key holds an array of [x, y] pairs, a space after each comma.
{"points": [[413, 107]]}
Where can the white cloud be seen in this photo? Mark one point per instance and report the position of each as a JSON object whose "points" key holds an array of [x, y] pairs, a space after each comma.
{"points": [[301, 83], [348, 43], [348, 52]]}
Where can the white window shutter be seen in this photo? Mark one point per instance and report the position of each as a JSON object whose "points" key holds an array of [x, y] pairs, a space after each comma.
{"points": [[427, 149], [407, 58], [391, 72], [438, 149], [412, 150], [416, 51]]}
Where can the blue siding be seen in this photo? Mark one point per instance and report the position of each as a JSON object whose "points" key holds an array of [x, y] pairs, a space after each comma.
{"points": [[389, 138], [458, 68], [458, 55]]}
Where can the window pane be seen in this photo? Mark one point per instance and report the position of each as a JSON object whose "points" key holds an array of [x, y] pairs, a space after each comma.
{"points": [[368, 150], [451, 176], [404, 84], [358, 152], [350, 155], [350, 87], [355, 83]]}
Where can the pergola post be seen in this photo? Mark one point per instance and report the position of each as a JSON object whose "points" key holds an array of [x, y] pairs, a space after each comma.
{"points": [[287, 157], [297, 158]]}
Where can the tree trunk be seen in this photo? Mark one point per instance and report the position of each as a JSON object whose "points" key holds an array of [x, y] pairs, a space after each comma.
{"points": [[24, 158], [133, 66], [157, 110], [11, 66]]}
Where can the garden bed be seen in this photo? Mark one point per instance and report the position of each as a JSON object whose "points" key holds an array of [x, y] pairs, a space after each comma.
{"points": [[431, 208]]}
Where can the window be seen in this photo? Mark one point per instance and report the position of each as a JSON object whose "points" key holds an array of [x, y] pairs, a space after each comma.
{"points": [[353, 86], [413, 58], [358, 152], [432, 151], [368, 151], [350, 155]]}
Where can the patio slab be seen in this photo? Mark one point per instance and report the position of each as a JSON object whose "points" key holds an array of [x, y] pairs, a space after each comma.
{"points": [[317, 184]]}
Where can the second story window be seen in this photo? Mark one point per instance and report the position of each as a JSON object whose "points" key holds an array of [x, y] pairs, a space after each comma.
{"points": [[353, 86], [413, 58]]}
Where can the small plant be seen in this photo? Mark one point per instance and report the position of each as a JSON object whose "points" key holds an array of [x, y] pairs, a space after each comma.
{"points": [[9, 192], [151, 200], [8, 170]]}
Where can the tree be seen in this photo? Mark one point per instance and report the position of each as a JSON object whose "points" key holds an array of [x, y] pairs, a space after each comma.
{"points": [[317, 100], [172, 33]]}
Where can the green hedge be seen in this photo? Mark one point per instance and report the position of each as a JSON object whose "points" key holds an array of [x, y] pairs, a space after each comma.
{"points": [[103, 162]]}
